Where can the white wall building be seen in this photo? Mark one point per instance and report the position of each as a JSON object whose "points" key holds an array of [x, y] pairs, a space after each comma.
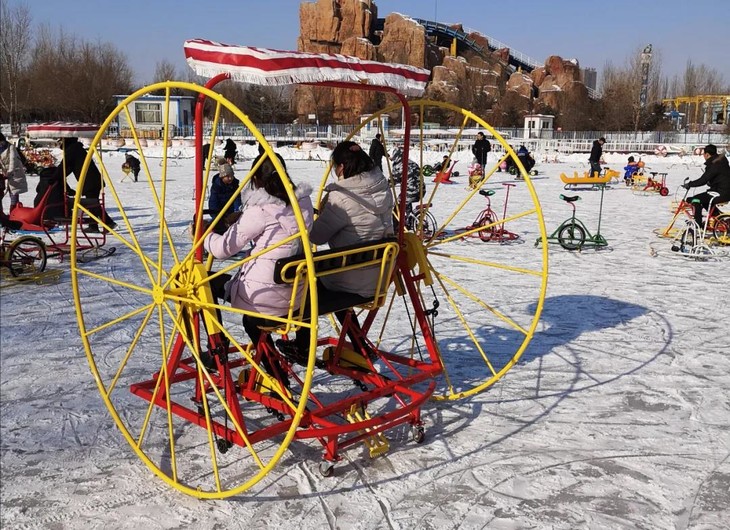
{"points": [[538, 126], [147, 114]]}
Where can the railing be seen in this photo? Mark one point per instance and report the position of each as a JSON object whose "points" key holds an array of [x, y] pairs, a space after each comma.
{"points": [[496, 44], [562, 141]]}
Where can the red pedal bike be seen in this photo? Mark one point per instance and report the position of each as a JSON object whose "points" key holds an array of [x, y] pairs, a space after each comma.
{"points": [[494, 230]]}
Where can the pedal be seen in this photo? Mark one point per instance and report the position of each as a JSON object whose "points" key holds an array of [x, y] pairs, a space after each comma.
{"points": [[348, 358], [243, 376], [377, 443]]}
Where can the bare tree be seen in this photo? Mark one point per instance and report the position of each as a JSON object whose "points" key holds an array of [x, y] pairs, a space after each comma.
{"points": [[165, 71], [700, 80], [15, 41], [75, 80]]}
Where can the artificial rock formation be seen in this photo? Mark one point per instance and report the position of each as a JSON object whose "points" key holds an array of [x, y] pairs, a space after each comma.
{"points": [[470, 80]]}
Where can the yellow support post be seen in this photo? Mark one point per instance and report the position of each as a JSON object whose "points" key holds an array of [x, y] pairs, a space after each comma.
{"points": [[377, 444]]}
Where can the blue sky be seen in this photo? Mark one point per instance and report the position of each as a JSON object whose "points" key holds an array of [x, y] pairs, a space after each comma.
{"points": [[593, 32]]}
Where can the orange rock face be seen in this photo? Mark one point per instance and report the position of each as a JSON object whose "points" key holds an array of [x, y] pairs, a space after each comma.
{"points": [[468, 80]]}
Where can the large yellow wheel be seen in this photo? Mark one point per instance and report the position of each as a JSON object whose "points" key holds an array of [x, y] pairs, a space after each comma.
{"points": [[145, 315], [484, 294]]}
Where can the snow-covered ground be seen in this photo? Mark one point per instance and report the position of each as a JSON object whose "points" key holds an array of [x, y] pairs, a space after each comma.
{"points": [[616, 415]]}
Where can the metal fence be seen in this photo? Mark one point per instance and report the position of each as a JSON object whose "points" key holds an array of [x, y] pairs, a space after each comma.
{"points": [[439, 139]]}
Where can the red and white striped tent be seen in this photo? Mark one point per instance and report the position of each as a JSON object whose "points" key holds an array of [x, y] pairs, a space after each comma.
{"points": [[62, 129], [262, 66]]}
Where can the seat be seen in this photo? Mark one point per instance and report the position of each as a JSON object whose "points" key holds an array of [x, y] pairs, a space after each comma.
{"points": [[32, 218]]}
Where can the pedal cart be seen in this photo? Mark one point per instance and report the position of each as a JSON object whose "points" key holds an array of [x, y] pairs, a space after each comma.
{"points": [[657, 183], [51, 218], [211, 413]]}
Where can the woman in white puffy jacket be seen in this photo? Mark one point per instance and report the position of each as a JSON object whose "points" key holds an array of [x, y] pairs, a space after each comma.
{"points": [[356, 209]]}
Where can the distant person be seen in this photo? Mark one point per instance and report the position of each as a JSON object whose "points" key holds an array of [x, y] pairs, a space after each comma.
{"points": [[230, 151], [223, 186], [377, 151], [444, 166], [526, 159], [12, 170], [716, 177], [132, 162], [74, 155], [204, 156], [415, 185], [632, 168], [595, 158], [480, 149], [509, 165]]}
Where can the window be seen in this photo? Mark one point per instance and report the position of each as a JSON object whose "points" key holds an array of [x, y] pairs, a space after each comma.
{"points": [[148, 113]]}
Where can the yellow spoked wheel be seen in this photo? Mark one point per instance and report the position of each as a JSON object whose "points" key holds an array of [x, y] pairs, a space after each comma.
{"points": [[485, 282], [210, 427]]}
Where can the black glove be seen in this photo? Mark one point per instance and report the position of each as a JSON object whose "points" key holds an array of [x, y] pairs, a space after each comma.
{"points": [[686, 185]]}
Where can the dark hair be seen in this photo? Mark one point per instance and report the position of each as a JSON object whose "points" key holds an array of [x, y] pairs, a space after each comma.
{"points": [[267, 177], [2, 137], [352, 157], [602, 139], [711, 149], [631, 159]]}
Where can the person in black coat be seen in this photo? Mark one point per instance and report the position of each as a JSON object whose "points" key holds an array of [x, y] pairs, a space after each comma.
{"points": [[133, 163], [595, 158], [222, 188], [377, 151], [74, 155], [480, 149], [716, 177], [230, 151], [526, 158]]}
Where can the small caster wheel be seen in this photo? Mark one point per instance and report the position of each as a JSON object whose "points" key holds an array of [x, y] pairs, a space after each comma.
{"points": [[224, 445], [279, 416], [419, 434], [326, 468]]}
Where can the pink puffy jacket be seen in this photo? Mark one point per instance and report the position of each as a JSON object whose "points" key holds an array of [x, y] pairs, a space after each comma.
{"points": [[265, 221]]}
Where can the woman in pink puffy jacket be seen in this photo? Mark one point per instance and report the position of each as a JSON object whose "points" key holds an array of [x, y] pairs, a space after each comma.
{"points": [[267, 218]]}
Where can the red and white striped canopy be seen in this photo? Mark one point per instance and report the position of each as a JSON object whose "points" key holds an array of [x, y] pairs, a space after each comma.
{"points": [[262, 66], [62, 129]]}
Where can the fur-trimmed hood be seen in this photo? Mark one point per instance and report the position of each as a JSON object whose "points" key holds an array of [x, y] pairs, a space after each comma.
{"points": [[259, 196]]}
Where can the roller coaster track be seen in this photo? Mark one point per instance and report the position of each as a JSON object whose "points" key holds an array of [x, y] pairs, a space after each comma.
{"points": [[445, 34]]}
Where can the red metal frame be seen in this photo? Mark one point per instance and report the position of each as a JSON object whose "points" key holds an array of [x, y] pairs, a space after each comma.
{"points": [[34, 220], [409, 382], [487, 217]]}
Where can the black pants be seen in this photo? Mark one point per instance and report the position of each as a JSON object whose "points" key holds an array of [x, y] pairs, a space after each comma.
{"points": [[704, 199], [304, 335], [595, 169], [93, 204]]}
